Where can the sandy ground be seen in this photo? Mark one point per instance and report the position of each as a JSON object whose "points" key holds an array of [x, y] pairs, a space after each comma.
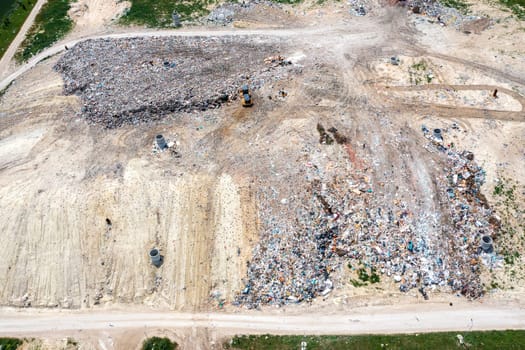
{"points": [[193, 217], [90, 16], [61, 179]]}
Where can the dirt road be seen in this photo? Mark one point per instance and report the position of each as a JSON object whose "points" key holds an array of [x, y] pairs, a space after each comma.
{"points": [[8, 56], [364, 34], [391, 319]]}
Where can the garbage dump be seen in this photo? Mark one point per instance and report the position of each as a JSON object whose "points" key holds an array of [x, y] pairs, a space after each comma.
{"points": [[136, 80], [228, 12], [341, 219], [446, 15]]}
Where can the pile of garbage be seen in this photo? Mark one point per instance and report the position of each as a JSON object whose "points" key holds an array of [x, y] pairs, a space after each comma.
{"points": [[223, 14], [341, 220], [469, 212], [142, 79], [444, 15], [358, 7], [228, 12]]}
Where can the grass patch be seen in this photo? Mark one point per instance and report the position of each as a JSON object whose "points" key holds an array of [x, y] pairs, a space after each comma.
{"points": [[421, 65], [294, 1], [51, 25], [459, 5], [157, 13], [365, 276], [510, 340], [419, 73], [12, 21], [516, 6], [503, 189], [72, 342], [156, 343], [357, 283], [10, 343]]}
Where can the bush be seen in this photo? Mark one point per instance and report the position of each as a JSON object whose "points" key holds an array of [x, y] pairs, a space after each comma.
{"points": [[156, 343], [9, 343]]}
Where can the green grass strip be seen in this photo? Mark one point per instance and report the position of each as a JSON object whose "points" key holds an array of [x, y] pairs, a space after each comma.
{"points": [[508, 340], [157, 13], [12, 21], [51, 25], [10, 343]]}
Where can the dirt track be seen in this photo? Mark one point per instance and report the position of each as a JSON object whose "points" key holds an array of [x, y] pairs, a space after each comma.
{"points": [[451, 110], [393, 319]]}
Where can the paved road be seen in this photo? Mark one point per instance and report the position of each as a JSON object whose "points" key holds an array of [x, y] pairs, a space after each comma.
{"points": [[392, 319]]}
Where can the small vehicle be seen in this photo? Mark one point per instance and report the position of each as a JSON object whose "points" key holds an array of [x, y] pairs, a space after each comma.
{"points": [[246, 96]]}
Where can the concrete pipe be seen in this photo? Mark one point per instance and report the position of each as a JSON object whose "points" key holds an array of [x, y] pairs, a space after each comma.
{"points": [[438, 134], [161, 142], [486, 244], [154, 254], [175, 18]]}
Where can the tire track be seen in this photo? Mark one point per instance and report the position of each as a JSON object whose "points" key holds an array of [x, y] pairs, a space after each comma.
{"points": [[447, 111]]}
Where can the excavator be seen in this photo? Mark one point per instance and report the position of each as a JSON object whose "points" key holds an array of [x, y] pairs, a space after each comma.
{"points": [[246, 96]]}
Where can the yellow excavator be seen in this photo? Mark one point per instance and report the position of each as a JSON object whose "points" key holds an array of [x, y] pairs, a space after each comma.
{"points": [[246, 96]]}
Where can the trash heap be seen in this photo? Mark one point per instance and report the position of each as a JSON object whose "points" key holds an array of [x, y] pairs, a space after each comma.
{"points": [[223, 14], [359, 7], [432, 8], [341, 220], [137, 80], [445, 15], [228, 12], [469, 212]]}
